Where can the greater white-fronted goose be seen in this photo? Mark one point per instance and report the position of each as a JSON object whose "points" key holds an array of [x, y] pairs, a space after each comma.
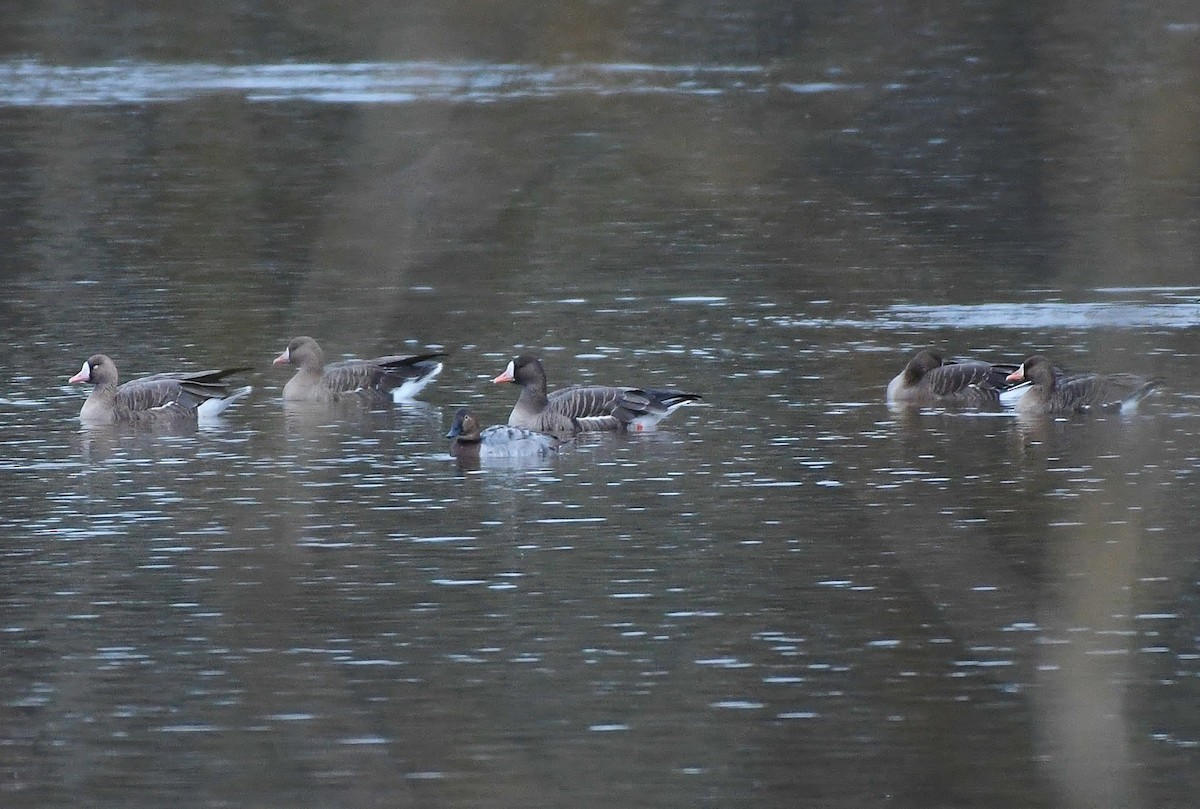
{"points": [[929, 381], [170, 399], [585, 408], [398, 377], [1053, 392], [498, 441]]}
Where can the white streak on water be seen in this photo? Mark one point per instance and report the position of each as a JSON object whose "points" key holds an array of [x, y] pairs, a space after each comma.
{"points": [[1020, 316], [34, 84]]}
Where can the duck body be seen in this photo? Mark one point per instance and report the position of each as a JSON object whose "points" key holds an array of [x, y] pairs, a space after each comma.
{"points": [[1052, 392], [167, 399], [585, 408], [498, 441], [930, 381], [395, 378]]}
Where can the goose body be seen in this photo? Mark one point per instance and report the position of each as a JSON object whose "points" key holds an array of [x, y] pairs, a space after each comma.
{"points": [[1055, 393], [585, 408], [929, 381], [167, 399], [498, 441], [397, 378]]}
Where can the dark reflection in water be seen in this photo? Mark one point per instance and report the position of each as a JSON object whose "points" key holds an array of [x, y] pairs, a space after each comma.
{"points": [[789, 595]]}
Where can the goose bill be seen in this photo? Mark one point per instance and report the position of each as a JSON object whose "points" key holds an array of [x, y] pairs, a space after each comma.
{"points": [[507, 376], [84, 375]]}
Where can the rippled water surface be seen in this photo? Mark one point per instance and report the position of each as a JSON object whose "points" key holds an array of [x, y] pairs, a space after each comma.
{"points": [[789, 595]]}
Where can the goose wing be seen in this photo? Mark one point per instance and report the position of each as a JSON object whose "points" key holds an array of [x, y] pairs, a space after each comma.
{"points": [[352, 375], [634, 403], [148, 393], [404, 366], [380, 374], [189, 389], [602, 407], [585, 401], [955, 378], [1101, 392]]}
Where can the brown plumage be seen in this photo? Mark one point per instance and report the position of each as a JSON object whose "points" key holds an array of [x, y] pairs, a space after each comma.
{"points": [[585, 408], [396, 378], [1053, 392], [930, 381], [160, 399]]}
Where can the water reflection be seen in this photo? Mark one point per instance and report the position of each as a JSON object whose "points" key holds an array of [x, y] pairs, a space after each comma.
{"points": [[1024, 315], [473, 462], [31, 84]]}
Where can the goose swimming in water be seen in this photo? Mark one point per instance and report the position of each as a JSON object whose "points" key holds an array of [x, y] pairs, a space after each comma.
{"points": [[585, 408], [167, 399], [398, 377]]}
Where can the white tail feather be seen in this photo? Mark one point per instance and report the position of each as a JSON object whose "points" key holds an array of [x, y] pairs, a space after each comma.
{"points": [[411, 387], [212, 408]]}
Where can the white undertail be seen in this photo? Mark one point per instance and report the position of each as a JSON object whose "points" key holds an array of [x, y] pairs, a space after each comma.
{"points": [[409, 389], [211, 408]]}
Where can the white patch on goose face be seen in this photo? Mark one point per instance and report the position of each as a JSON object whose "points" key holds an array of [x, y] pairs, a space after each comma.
{"points": [[509, 370], [86, 372]]}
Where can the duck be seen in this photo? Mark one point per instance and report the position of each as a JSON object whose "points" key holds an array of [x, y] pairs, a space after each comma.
{"points": [[928, 380], [398, 377], [1053, 392], [166, 399], [585, 408], [497, 441]]}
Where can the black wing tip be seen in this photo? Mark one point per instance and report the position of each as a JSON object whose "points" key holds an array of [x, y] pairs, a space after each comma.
{"points": [[669, 394], [409, 360]]}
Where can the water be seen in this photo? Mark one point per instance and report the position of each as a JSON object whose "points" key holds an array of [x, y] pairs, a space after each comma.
{"points": [[788, 596]]}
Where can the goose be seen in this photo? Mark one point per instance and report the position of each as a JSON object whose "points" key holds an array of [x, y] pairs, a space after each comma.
{"points": [[160, 399], [584, 408], [397, 377], [929, 381], [497, 441], [1053, 392]]}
